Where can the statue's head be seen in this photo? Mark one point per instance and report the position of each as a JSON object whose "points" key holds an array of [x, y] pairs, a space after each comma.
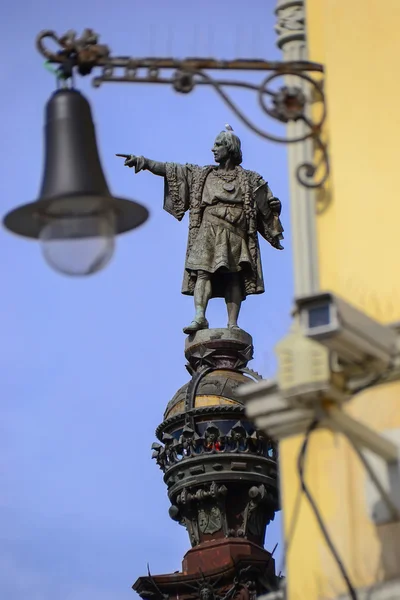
{"points": [[227, 145]]}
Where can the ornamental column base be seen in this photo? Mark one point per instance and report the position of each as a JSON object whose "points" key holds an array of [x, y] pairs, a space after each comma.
{"points": [[221, 475], [229, 568]]}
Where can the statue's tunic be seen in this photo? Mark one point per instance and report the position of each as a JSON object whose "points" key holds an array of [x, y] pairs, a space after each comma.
{"points": [[224, 218]]}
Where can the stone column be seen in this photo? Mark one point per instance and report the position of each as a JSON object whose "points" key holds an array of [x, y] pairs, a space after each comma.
{"points": [[291, 32], [221, 477]]}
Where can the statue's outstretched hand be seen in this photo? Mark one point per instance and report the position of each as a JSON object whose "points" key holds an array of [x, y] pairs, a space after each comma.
{"points": [[135, 161], [131, 161]]}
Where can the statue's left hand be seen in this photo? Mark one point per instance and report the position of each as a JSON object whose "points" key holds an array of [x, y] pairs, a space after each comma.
{"points": [[275, 205]]}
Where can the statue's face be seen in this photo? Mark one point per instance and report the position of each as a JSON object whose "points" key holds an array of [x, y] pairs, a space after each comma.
{"points": [[219, 149]]}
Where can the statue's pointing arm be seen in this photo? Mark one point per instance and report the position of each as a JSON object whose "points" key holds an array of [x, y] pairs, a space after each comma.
{"points": [[177, 182]]}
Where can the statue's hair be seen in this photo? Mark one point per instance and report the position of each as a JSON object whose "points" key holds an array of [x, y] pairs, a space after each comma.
{"points": [[234, 146]]}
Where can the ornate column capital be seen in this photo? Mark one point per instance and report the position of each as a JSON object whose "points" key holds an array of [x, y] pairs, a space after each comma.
{"points": [[290, 21]]}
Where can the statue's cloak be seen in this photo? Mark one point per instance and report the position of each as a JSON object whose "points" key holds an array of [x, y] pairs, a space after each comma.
{"points": [[183, 191]]}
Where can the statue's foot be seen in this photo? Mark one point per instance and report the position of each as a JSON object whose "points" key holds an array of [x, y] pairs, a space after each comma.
{"points": [[233, 326], [196, 325]]}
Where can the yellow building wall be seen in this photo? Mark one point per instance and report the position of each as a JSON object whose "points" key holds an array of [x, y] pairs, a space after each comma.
{"points": [[358, 41]]}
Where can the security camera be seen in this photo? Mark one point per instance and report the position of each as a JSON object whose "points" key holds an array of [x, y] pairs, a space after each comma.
{"points": [[358, 340]]}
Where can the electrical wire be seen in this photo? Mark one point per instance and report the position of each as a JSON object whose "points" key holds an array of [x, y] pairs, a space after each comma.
{"points": [[370, 382], [301, 466], [293, 523]]}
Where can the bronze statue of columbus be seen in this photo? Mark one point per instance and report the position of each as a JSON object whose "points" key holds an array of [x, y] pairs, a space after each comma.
{"points": [[228, 206]]}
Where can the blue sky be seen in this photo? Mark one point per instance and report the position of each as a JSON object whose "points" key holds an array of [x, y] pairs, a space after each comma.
{"points": [[88, 365]]}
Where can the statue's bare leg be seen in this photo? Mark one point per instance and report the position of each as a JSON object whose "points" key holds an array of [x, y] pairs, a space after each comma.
{"points": [[233, 299], [202, 295]]}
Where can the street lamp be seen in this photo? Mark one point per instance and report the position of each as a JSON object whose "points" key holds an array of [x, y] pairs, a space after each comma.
{"points": [[75, 217]]}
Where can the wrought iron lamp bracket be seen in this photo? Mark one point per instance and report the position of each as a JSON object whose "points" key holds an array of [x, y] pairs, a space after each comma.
{"points": [[286, 104]]}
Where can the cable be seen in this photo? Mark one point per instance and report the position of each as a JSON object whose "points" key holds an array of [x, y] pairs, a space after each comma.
{"points": [[324, 531], [293, 524], [368, 383]]}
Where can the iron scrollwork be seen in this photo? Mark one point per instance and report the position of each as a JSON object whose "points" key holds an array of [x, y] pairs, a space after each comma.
{"points": [[287, 104]]}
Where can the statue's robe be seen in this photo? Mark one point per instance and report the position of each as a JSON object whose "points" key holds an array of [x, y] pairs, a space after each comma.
{"points": [[222, 236]]}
